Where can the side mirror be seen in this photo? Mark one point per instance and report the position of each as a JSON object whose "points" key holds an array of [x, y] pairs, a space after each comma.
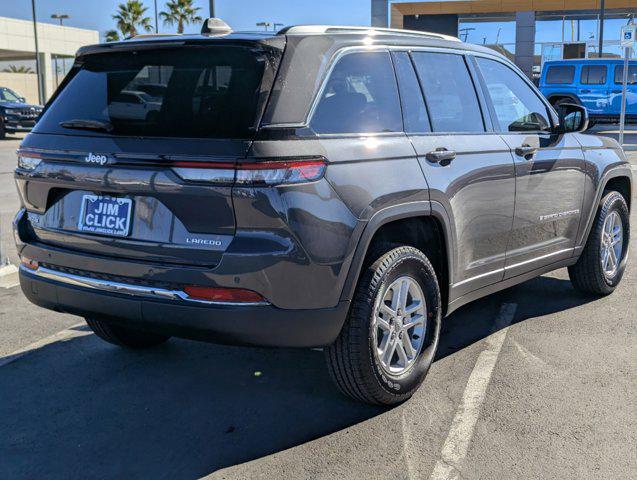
{"points": [[23, 100], [573, 118]]}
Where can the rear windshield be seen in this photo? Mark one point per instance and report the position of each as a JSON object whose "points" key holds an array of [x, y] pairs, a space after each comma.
{"points": [[196, 92]]}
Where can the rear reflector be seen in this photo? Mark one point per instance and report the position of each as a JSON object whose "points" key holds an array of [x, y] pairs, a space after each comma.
{"points": [[28, 263], [256, 174], [227, 295]]}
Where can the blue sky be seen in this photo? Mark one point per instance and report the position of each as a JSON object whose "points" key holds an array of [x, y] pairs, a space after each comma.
{"points": [[244, 14], [240, 14]]}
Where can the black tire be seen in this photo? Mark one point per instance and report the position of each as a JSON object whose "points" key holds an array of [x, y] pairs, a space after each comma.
{"points": [[587, 275], [352, 360], [556, 103], [124, 336], [3, 132]]}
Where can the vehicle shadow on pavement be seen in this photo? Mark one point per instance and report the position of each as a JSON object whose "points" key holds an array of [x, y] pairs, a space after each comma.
{"points": [[535, 298], [84, 409]]}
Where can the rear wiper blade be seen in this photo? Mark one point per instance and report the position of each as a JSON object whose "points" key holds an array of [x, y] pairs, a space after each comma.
{"points": [[87, 125]]}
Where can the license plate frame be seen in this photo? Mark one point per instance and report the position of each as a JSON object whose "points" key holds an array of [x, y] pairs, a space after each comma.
{"points": [[106, 215]]}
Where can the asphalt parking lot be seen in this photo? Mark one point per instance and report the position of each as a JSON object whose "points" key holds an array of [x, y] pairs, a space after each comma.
{"points": [[536, 381]]}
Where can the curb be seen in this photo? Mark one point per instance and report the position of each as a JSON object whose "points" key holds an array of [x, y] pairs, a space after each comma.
{"points": [[8, 276]]}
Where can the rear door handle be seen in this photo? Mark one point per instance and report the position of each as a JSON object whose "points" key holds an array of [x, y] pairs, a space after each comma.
{"points": [[585, 91], [441, 155], [525, 151]]}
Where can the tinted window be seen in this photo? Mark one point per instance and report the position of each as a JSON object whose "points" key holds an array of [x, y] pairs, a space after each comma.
{"points": [[593, 74], [414, 111], [560, 74], [186, 92], [449, 92], [8, 95], [360, 96], [516, 105], [632, 74]]}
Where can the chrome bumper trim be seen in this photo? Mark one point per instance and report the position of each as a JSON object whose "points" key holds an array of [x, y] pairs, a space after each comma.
{"points": [[126, 288]]}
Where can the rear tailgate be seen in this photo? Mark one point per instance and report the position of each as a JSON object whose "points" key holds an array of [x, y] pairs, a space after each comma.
{"points": [[109, 146]]}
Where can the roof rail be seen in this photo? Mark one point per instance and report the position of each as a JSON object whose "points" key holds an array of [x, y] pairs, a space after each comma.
{"points": [[314, 29], [153, 35]]}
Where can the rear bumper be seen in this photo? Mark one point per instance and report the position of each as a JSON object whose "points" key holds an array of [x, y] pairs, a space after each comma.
{"points": [[602, 118], [14, 128], [255, 324]]}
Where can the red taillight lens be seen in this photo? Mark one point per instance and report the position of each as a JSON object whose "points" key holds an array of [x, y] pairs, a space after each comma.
{"points": [[228, 295], [268, 173], [280, 173]]}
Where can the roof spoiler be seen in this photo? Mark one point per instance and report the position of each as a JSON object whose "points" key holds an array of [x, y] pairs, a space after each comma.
{"points": [[215, 26]]}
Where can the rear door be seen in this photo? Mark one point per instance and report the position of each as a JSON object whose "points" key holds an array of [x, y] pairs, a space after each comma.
{"points": [[468, 167], [631, 90], [593, 89], [549, 171]]}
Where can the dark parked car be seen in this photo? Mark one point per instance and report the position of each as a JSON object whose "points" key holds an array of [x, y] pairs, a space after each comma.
{"points": [[15, 114], [333, 187]]}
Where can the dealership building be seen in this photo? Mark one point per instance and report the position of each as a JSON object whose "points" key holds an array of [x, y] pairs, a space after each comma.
{"points": [[527, 31], [57, 46]]}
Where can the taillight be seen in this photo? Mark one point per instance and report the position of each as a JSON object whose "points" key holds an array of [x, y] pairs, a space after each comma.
{"points": [[223, 295], [28, 161], [267, 173]]}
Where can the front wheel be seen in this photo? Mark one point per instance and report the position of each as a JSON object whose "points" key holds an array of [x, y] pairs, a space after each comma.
{"points": [[389, 340], [603, 260], [124, 336]]}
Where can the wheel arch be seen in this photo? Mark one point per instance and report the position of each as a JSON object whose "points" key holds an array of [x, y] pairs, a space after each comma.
{"points": [[424, 225], [559, 96], [619, 179]]}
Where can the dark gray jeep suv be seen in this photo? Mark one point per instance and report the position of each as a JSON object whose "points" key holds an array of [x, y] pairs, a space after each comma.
{"points": [[332, 187]]}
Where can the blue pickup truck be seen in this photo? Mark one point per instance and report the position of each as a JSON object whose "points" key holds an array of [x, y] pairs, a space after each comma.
{"points": [[593, 83]]}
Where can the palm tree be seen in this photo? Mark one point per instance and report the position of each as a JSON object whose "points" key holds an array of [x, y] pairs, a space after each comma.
{"points": [[180, 12], [20, 69], [130, 16], [112, 36]]}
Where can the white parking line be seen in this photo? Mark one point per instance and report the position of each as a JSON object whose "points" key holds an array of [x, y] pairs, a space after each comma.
{"points": [[460, 434], [67, 334]]}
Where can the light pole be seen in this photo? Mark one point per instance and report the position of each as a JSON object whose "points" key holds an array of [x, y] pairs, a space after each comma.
{"points": [[156, 22], [212, 8], [602, 11], [265, 25], [274, 25], [37, 54], [465, 31], [61, 17]]}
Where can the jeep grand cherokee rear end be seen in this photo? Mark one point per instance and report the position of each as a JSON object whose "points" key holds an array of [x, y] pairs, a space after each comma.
{"points": [[143, 206]]}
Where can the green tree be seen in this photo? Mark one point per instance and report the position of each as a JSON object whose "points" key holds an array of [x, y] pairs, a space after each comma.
{"points": [[112, 36], [180, 12], [130, 17], [20, 69]]}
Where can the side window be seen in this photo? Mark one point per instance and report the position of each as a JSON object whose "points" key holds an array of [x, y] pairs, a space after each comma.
{"points": [[560, 74], [593, 75], [449, 92], [414, 110], [632, 74], [360, 96], [517, 107]]}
